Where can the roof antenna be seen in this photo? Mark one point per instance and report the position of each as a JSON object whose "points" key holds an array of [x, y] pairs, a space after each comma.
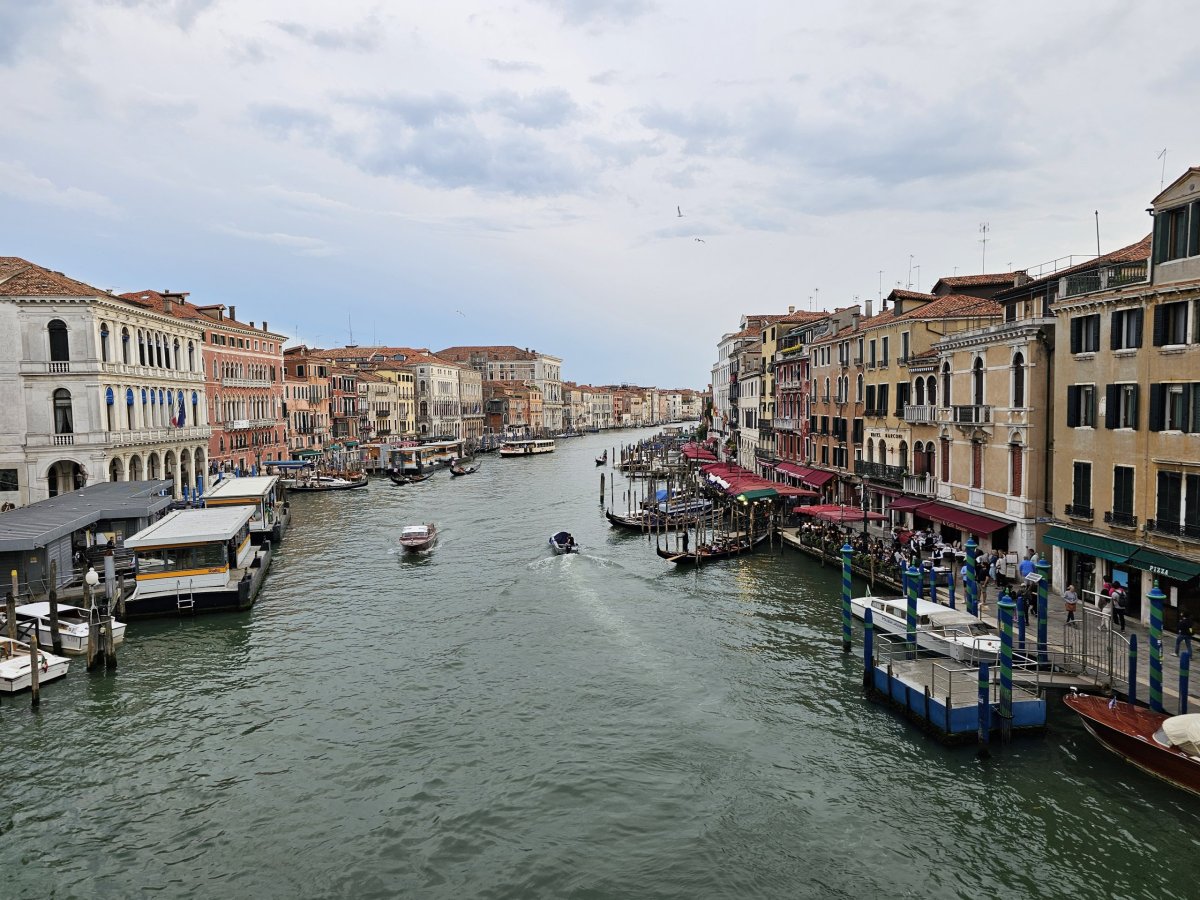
{"points": [[350, 324], [1162, 179], [1097, 234], [984, 228]]}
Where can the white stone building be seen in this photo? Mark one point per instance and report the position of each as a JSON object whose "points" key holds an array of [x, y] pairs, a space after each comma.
{"points": [[439, 403]]}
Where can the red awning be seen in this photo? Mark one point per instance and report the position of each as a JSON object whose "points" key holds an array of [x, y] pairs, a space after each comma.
{"points": [[786, 490], [792, 469], [961, 518], [907, 504], [815, 509], [844, 514], [817, 479]]}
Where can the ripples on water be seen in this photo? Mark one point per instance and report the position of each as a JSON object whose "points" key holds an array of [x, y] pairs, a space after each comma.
{"points": [[490, 720]]}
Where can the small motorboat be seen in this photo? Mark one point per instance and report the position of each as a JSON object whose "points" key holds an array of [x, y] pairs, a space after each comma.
{"points": [[319, 483], [74, 623], [1167, 747], [14, 666], [418, 538], [458, 471], [563, 542]]}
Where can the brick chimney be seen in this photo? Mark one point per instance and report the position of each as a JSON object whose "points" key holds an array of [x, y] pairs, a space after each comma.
{"points": [[233, 312], [265, 325], [168, 306]]}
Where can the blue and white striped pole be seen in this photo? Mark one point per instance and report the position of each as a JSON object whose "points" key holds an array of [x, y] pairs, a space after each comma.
{"points": [[1007, 608], [868, 646], [985, 719], [911, 623], [1131, 667], [1156, 598], [972, 586], [1043, 610], [950, 586], [1020, 619], [847, 553]]}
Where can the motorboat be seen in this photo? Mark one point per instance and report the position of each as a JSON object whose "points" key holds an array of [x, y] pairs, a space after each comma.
{"points": [[418, 538], [74, 623], [563, 542], [15, 673], [948, 632], [1167, 747], [329, 483]]}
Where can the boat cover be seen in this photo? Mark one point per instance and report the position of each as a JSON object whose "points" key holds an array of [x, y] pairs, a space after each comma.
{"points": [[1184, 732], [950, 617], [561, 537], [414, 530]]}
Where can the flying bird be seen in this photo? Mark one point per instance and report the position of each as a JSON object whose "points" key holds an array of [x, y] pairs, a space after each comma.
{"points": [[700, 240], [679, 212], [461, 313]]}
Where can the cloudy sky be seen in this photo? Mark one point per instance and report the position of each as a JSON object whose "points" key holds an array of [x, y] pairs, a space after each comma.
{"points": [[458, 173]]}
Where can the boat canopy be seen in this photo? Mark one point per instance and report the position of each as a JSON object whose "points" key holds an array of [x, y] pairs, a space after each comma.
{"points": [[948, 618], [193, 526], [561, 537], [254, 486], [1184, 732], [414, 530]]}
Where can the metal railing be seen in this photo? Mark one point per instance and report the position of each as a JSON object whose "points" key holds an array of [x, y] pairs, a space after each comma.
{"points": [[879, 472], [1173, 528], [1120, 519], [1078, 511], [1105, 277]]}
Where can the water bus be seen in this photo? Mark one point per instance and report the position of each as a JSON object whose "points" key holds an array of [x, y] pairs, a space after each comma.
{"points": [[527, 446], [262, 494]]}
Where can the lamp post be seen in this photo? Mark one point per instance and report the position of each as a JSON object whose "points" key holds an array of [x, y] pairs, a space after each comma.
{"points": [[91, 579]]}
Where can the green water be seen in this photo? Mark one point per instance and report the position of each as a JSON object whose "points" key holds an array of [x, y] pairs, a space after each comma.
{"points": [[494, 721]]}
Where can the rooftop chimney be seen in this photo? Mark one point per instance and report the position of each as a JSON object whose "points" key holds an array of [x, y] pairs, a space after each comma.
{"points": [[870, 306], [233, 312], [791, 309], [167, 305], [265, 325], [251, 323]]}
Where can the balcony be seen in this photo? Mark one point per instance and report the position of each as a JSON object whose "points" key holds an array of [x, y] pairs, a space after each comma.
{"points": [[58, 368], [1174, 528], [246, 382], [63, 440], [1104, 278], [1078, 511], [786, 424], [920, 415], [1120, 519], [972, 415], [879, 472], [920, 485], [141, 437]]}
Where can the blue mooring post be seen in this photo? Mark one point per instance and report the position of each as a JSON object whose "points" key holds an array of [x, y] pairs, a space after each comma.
{"points": [[847, 553], [1043, 611], [985, 718], [950, 586], [933, 585], [1185, 665], [868, 647], [971, 587], [1156, 598], [1132, 668], [1007, 608], [911, 623], [1020, 620]]}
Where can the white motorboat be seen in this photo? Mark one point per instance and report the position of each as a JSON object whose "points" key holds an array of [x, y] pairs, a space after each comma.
{"points": [[948, 632], [73, 625], [14, 666]]}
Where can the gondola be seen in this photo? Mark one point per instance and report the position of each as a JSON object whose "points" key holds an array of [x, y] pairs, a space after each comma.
{"points": [[709, 555], [398, 479], [457, 472], [602, 460], [328, 483], [647, 520]]}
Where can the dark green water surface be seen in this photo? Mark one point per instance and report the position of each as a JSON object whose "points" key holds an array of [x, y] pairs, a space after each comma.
{"points": [[494, 721]]}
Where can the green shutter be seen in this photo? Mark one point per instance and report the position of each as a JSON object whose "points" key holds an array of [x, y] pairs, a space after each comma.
{"points": [[1072, 406], [1157, 419], [1112, 402], [1160, 237]]}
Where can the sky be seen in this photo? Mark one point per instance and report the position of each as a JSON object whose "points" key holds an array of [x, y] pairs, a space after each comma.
{"points": [[613, 182]]}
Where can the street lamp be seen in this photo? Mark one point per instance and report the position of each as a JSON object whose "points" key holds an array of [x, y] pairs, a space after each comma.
{"points": [[91, 579]]}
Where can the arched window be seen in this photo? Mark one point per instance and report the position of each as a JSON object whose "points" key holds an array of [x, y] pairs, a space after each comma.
{"points": [[103, 342], [931, 389], [946, 459], [903, 461], [158, 351], [883, 453], [1018, 381], [930, 459], [175, 355], [60, 351], [919, 392], [125, 346], [63, 419], [945, 384], [870, 450], [977, 382], [859, 397], [1016, 466], [141, 348]]}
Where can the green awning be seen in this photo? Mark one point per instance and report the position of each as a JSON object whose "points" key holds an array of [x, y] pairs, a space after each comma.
{"points": [[351, 444], [305, 454], [760, 494], [1166, 564], [1090, 544]]}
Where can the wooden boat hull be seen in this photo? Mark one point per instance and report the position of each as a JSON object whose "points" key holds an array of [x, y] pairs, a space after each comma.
{"points": [[1128, 732], [321, 488], [635, 523], [418, 546], [470, 471], [691, 559]]}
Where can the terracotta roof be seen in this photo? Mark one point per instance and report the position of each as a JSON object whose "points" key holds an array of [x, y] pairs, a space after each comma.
{"points": [[182, 308], [909, 295], [956, 306], [428, 359], [801, 316], [995, 279], [498, 352], [1134, 252], [370, 353], [21, 278]]}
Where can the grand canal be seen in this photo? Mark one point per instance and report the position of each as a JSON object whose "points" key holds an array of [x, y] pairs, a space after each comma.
{"points": [[494, 721]]}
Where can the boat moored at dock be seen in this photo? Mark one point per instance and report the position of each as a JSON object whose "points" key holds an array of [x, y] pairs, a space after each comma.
{"points": [[74, 623], [196, 560], [940, 629], [527, 447], [263, 494], [15, 659]]}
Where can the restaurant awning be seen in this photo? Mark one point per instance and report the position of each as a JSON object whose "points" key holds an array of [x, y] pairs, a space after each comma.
{"points": [[976, 523], [757, 494], [1090, 544], [843, 514], [306, 454], [816, 478], [792, 469], [907, 504], [1166, 564]]}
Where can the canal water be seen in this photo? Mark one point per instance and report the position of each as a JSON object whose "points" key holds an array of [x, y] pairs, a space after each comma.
{"points": [[494, 721]]}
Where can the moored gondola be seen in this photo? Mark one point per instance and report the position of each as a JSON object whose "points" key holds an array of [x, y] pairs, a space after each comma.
{"points": [[711, 552]]}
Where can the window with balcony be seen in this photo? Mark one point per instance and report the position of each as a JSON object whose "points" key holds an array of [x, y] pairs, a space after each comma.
{"points": [[1081, 406], [63, 418], [103, 342], [977, 382], [1125, 330], [1122, 501], [945, 385], [1081, 491], [59, 347], [901, 397], [883, 349], [1121, 406], [904, 346], [1170, 324], [1085, 334], [871, 355]]}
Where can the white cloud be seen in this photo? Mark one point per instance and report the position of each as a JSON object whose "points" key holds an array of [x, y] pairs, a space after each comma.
{"points": [[18, 182], [306, 246]]}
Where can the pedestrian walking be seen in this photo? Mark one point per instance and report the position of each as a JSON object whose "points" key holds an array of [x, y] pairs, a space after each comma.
{"points": [[1183, 631], [1105, 612], [1118, 608], [1071, 601]]}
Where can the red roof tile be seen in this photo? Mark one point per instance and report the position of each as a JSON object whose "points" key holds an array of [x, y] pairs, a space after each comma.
{"points": [[21, 278]]}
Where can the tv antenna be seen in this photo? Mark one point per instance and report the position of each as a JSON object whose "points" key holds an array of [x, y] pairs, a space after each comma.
{"points": [[984, 228], [1162, 179]]}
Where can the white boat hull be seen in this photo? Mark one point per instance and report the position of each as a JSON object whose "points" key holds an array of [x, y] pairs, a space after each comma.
{"points": [[962, 649], [75, 644], [15, 675]]}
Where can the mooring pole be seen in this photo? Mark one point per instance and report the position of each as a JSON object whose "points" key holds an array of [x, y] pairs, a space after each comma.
{"points": [[985, 709], [847, 554], [950, 587], [913, 580], [1020, 621], [971, 586], [10, 607], [55, 635], [1006, 609], [1156, 598], [1132, 662], [1185, 665], [868, 646], [35, 688]]}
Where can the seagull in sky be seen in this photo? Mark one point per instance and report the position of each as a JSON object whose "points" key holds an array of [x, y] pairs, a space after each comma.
{"points": [[700, 240], [679, 212], [461, 313]]}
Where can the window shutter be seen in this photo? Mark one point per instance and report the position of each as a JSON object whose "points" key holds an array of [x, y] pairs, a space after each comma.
{"points": [[870, 397], [1076, 335], [1134, 412], [1138, 315], [1188, 392], [1157, 412], [1160, 325], [858, 431], [1191, 510], [1094, 330], [883, 397], [1115, 323], [1072, 406], [1112, 402], [1160, 237], [1194, 231]]}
